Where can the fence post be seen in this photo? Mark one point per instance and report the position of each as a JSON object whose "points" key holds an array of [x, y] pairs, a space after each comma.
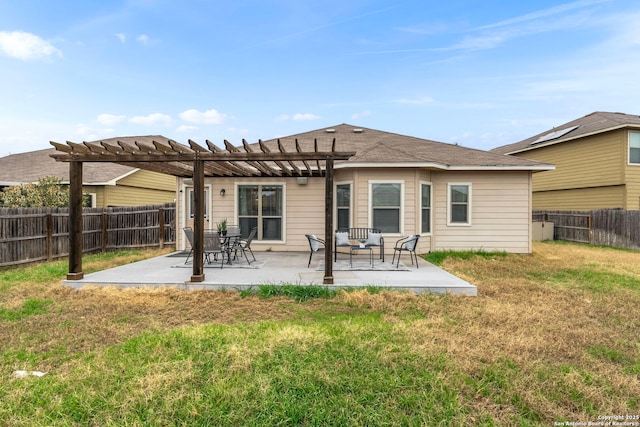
{"points": [[49, 232], [161, 230], [589, 227], [105, 238]]}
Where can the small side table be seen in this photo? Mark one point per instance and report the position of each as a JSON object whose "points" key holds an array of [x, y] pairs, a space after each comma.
{"points": [[357, 248]]}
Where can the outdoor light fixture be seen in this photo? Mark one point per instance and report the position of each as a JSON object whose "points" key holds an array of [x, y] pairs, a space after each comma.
{"points": [[222, 191]]}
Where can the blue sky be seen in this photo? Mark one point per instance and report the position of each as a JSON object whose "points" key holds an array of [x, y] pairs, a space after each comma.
{"points": [[480, 74]]}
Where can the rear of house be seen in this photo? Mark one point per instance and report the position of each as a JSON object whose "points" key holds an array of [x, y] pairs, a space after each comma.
{"points": [[453, 197]]}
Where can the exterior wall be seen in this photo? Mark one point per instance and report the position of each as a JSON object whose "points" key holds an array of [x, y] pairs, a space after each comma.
{"points": [[589, 174], [580, 199], [139, 188], [500, 212], [147, 179], [501, 208], [632, 179]]}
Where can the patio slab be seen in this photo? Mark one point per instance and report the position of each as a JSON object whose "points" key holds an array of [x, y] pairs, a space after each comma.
{"points": [[275, 268]]}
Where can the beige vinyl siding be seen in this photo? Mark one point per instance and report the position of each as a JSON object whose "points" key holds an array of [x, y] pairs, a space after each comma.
{"points": [[580, 199], [147, 179], [501, 208], [632, 178], [588, 162], [500, 212], [133, 196]]}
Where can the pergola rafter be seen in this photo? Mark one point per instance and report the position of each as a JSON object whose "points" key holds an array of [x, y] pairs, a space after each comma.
{"points": [[197, 162]]}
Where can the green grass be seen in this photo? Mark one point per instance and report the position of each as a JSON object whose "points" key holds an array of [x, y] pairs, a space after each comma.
{"points": [[438, 257], [295, 292], [269, 373], [31, 307]]}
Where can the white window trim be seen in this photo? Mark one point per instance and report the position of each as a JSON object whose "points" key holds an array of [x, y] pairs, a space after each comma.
{"points": [[419, 198], [284, 209], [335, 202], [470, 210], [370, 203], [93, 199], [629, 163]]}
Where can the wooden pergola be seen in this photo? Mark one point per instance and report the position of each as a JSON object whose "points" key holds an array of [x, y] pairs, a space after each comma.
{"points": [[198, 162]]}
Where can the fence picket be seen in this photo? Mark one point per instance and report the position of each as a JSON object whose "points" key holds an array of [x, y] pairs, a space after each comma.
{"points": [[606, 227], [35, 234]]}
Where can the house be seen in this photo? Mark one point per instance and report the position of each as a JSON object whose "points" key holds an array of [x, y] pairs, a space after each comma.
{"points": [[454, 197], [597, 160], [108, 184]]}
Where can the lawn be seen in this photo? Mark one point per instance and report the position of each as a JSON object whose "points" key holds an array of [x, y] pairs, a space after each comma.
{"points": [[552, 338]]}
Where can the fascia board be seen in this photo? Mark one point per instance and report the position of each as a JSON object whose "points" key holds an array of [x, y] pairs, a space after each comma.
{"points": [[543, 167]]}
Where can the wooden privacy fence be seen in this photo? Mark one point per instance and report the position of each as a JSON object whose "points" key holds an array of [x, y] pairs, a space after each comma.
{"points": [[37, 234], [607, 227]]}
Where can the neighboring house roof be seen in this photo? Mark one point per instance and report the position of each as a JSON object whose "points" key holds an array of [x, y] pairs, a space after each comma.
{"points": [[24, 168], [591, 124], [376, 148]]}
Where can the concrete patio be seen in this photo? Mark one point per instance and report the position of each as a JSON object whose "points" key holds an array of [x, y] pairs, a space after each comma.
{"points": [[279, 268]]}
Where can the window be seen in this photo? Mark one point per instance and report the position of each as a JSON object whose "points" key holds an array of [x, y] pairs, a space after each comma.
{"points": [[343, 205], [386, 206], [634, 147], [459, 204], [261, 206], [425, 208]]}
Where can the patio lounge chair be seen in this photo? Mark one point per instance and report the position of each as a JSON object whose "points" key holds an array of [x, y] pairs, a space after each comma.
{"points": [[245, 245], [406, 244], [213, 246], [314, 245]]}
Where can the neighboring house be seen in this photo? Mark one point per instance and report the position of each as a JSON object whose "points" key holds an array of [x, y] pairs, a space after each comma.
{"points": [[108, 184], [597, 160], [455, 197]]}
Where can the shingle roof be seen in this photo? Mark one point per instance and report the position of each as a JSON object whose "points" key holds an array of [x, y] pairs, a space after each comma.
{"points": [[30, 167], [378, 147], [597, 122]]}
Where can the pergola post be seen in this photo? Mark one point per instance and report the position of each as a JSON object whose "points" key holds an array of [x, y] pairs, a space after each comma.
{"points": [[75, 221], [328, 223], [198, 221]]}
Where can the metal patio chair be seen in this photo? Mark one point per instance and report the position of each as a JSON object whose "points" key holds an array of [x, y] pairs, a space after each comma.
{"points": [[406, 244], [244, 245], [314, 245]]}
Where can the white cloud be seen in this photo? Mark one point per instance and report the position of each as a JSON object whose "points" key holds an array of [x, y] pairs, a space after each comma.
{"points": [[423, 100], [544, 13], [361, 115], [297, 117], [88, 133], [305, 116], [121, 37], [239, 131], [152, 119], [143, 39], [185, 128], [110, 119], [206, 117], [26, 46]]}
